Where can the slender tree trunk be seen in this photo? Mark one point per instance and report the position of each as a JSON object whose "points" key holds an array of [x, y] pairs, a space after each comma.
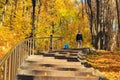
{"points": [[91, 21], [33, 17], [23, 12], [118, 16], [39, 8], [82, 9], [4, 12], [11, 14], [97, 14]]}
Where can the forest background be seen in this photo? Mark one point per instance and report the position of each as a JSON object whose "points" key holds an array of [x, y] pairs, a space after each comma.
{"points": [[98, 20]]}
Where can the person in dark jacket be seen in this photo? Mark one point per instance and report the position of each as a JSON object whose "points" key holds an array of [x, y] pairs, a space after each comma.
{"points": [[79, 39]]}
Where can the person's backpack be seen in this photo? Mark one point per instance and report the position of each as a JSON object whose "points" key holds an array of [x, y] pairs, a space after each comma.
{"points": [[66, 46]]}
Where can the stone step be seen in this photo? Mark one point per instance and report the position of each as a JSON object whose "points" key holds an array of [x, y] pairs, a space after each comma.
{"points": [[65, 78], [66, 55], [69, 58], [56, 54], [72, 50], [52, 62], [60, 57], [54, 73], [55, 69], [60, 68], [39, 57], [40, 63], [45, 59], [24, 77], [49, 55]]}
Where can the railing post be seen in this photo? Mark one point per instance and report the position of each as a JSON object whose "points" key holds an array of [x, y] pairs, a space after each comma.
{"points": [[1, 73], [33, 46], [51, 36], [20, 55], [14, 64], [30, 47], [9, 72], [22, 52], [12, 73], [5, 70], [57, 44], [15, 61], [17, 56]]}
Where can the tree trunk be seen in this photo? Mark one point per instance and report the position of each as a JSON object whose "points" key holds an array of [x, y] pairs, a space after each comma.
{"points": [[98, 16], [82, 9], [89, 3], [118, 16], [33, 17], [39, 8], [4, 12], [11, 5]]}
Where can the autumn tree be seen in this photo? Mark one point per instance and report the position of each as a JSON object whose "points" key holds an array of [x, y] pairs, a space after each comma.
{"points": [[101, 20], [15, 22]]}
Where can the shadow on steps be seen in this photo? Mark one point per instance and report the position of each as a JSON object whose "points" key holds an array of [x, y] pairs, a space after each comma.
{"points": [[24, 77]]}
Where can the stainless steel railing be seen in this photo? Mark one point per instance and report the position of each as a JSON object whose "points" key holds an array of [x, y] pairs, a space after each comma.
{"points": [[16, 56]]}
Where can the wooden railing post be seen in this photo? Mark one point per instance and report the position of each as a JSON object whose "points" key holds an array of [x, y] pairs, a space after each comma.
{"points": [[51, 36]]}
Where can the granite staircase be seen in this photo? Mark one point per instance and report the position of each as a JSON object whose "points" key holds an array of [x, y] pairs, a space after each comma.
{"points": [[55, 65]]}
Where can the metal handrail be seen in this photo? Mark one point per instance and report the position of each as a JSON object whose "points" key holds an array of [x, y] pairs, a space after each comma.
{"points": [[16, 56]]}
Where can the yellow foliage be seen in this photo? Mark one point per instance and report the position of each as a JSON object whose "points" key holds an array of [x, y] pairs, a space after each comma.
{"points": [[58, 17], [107, 63]]}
